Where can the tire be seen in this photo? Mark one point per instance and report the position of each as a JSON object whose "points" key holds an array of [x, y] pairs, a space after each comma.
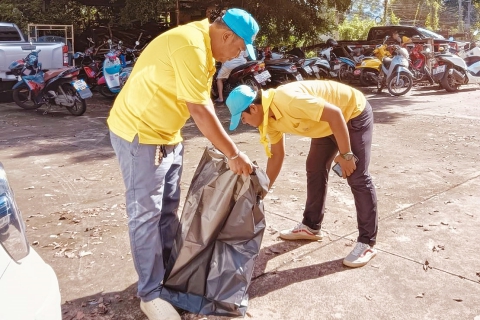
{"points": [[80, 104], [405, 82], [104, 91], [22, 97], [364, 80], [343, 73], [380, 82], [448, 81]]}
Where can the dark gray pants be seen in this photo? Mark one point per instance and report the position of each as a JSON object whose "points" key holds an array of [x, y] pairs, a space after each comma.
{"points": [[319, 161], [152, 198]]}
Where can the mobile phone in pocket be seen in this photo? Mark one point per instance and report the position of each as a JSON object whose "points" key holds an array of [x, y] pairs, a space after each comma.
{"points": [[338, 170]]}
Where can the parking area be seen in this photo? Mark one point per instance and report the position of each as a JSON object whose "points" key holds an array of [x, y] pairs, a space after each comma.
{"points": [[424, 164]]}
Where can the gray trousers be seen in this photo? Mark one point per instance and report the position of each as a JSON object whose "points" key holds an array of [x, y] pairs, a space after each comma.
{"points": [[152, 199], [319, 161]]}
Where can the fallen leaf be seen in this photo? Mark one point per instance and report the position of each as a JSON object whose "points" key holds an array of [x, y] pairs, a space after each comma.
{"points": [[420, 295], [426, 265], [84, 253], [458, 300], [28, 188], [34, 243], [368, 297]]}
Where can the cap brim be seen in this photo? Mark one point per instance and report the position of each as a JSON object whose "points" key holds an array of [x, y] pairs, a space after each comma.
{"points": [[235, 121], [251, 52]]}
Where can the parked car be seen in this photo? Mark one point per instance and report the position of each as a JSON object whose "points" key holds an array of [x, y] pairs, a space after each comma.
{"points": [[29, 287], [14, 46]]}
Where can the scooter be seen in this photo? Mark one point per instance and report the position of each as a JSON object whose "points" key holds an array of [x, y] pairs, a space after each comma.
{"points": [[115, 71], [37, 87], [394, 73], [452, 71], [369, 69], [420, 63]]}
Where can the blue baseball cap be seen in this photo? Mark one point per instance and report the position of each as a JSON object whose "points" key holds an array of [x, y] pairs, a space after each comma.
{"points": [[238, 101], [243, 25]]}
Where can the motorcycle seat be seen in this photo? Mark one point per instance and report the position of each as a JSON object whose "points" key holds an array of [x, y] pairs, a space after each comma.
{"points": [[386, 62], [243, 66], [53, 73], [277, 61]]}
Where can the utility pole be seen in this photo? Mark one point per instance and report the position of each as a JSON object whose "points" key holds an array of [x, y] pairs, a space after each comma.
{"points": [[467, 19], [385, 6]]}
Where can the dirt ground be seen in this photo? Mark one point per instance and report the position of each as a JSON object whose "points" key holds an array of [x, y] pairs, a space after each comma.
{"points": [[424, 164]]}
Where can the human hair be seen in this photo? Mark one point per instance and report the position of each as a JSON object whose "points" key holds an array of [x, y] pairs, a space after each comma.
{"points": [[258, 98]]}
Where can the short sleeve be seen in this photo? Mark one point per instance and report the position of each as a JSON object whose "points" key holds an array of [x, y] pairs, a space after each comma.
{"points": [[191, 74]]}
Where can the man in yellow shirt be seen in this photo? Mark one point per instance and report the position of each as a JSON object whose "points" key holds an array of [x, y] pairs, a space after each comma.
{"points": [[170, 82], [339, 121]]}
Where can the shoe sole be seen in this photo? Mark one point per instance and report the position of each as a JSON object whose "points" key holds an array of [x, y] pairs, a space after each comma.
{"points": [[297, 236], [357, 265]]}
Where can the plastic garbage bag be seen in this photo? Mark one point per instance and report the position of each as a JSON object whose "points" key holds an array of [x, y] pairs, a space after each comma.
{"points": [[219, 238]]}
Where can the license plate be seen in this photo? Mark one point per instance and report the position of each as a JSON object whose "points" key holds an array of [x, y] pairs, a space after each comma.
{"points": [[308, 69], [336, 67], [315, 69], [82, 89], [439, 69], [299, 77], [80, 85], [262, 77]]}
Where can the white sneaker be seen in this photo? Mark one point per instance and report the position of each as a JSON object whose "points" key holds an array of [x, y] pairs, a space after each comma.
{"points": [[301, 231], [360, 255], [158, 309]]}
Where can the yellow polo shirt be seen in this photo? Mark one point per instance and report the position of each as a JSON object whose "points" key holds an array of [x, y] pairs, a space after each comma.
{"points": [[298, 106], [175, 67]]}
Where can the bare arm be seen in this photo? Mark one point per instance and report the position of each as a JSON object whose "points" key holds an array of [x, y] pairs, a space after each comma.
{"points": [[274, 164], [208, 123], [333, 115]]}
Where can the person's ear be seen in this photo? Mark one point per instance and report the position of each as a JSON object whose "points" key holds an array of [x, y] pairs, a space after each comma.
{"points": [[227, 35], [254, 108]]}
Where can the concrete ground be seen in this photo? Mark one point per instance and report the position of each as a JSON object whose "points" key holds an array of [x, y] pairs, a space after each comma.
{"points": [[425, 165]]}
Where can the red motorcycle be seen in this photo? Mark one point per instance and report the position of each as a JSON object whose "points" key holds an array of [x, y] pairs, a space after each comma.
{"points": [[90, 68], [420, 57]]}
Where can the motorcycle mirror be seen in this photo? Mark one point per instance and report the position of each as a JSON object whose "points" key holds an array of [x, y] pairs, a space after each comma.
{"points": [[137, 43], [109, 41], [120, 42], [76, 55], [450, 39]]}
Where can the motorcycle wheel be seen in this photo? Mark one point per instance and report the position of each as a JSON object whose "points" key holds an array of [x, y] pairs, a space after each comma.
{"points": [[404, 84], [343, 73], [80, 105], [380, 82], [364, 79], [22, 96], [104, 91], [448, 82]]}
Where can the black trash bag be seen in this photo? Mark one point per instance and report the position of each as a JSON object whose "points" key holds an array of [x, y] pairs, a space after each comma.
{"points": [[219, 237]]}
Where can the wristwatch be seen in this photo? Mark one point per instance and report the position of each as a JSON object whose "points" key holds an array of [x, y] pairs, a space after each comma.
{"points": [[347, 156]]}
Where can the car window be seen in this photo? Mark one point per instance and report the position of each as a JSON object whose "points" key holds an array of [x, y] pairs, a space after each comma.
{"points": [[8, 33], [430, 34]]}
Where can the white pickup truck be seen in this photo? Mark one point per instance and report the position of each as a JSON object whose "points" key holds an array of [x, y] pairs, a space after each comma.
{"points": [[14, 46]]}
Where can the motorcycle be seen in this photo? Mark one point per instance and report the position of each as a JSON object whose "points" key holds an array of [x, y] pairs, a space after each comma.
{"points": [[91, 70], [394, 73], [37, 87], [369, 69], [252, 74], [420, 63], [328, 60], [346, 70], [116, 69], [453, 71]]}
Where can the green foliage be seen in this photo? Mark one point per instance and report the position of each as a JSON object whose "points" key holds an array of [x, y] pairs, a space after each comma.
{"points": [[355, 28]]}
